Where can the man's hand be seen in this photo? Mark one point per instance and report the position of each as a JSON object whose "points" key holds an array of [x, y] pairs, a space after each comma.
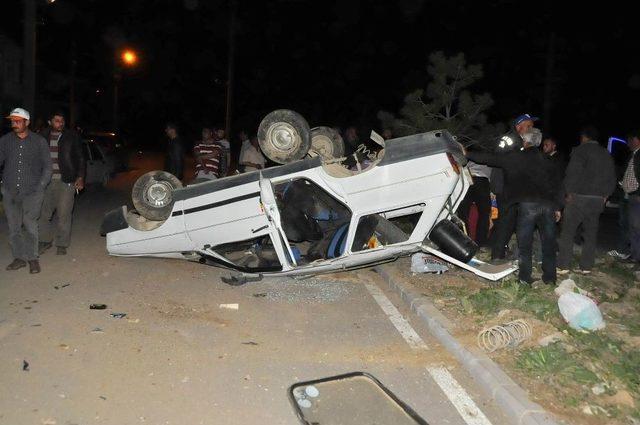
{"points": [[79, 183], [558, 215]]}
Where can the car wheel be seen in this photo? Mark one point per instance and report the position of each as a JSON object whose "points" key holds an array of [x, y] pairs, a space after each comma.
{"points": [[284, 136], [152, 194], [326, 143]]}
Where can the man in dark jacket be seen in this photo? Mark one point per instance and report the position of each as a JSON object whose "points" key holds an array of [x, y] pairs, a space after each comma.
{"points": [[590, 178], [174, 160], [67, 179], [506, 223], [531, 189]]}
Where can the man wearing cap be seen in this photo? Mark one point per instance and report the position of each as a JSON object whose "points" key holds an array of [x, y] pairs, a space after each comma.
{"points": [[589, 180], [26, 174], [531, 190], [507, 214], [67, 179]]}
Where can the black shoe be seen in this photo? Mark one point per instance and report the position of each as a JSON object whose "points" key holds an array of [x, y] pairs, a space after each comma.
{"points": [[43, 246], [61, 250], [34, 266], [16, 264]]}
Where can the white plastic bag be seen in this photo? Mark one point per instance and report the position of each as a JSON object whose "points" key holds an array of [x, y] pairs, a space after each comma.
{"points": [[425, 263], [580, 312]]}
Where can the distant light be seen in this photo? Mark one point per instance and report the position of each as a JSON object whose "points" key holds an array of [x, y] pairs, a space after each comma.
{"points": [[129, 57], [98, 91], [614, 139], [51, 1]]}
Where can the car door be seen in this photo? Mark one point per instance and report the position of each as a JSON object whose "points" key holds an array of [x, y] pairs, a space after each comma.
{"points": [[95, 163], [268, 199]]}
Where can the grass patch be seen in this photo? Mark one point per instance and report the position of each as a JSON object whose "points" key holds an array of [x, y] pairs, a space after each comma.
{"points": [[554, 364], [512, 295]]}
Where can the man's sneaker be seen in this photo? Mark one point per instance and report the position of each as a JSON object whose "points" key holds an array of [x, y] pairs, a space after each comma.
{"points": [[61, 251], [34, 266], [562, 272], [43, 246], [16, 264], [617, 254]]}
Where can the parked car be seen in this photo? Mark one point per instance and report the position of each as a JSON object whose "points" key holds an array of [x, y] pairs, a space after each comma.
{"points": [[310, 215], [99, 167], [112, 146]]}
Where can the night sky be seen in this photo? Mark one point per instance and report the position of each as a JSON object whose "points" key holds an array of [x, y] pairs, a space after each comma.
{"points": [[336, 62]]}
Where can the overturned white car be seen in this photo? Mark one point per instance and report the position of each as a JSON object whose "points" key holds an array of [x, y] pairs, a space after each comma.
{"points": [[311, 215]]}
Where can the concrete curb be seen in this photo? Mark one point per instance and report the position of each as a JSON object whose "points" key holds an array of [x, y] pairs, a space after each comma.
{"points": [[496, 384]]}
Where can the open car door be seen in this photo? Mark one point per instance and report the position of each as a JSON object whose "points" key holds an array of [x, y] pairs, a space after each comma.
{"points": [[480, 268], [268, 199]]}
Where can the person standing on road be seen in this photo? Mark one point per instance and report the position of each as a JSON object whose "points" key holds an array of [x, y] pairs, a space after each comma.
{"points": [[25, 163], [67, 179], [631, 186], [208, 155], [174, 161], [478, 194], [507, 213], [226, 146], [532, 190], [251, 158], [590, 179]]}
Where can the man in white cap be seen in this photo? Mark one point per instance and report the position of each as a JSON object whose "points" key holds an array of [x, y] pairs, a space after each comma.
{"points": [[26, 170]]}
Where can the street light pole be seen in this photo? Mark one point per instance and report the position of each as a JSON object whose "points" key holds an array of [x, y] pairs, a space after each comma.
{"points": [[29, 55]]}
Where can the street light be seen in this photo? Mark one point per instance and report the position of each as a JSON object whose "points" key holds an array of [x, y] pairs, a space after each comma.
{"points": [[127, 58]]}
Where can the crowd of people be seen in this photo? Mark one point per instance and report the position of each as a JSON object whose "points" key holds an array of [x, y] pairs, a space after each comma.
{"points": [[212, 154], [538, 192], [41, 174]]}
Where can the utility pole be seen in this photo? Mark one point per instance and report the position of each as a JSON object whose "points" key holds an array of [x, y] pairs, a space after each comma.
{"points": [[29, 55], [230, 68], [72, 88]]}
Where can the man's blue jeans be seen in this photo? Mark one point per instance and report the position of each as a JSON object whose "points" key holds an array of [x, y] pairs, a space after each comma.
{"points": [[532, 215]]}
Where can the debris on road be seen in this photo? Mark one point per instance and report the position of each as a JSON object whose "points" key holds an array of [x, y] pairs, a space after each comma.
{"points": [[250, 343], [509, 334], [62, 286], [260, 295], [550, 339], [133, 320], [118, 315], [98, 306], [102, 397], [97, 331], [427, 263], [25, 366], [230, 306]]}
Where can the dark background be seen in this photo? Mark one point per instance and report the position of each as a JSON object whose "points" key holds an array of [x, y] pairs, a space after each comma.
{"points": [[336, 62]]}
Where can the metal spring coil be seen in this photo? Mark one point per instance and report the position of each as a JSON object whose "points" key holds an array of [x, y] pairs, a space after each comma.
{"points": [[506, 335]]}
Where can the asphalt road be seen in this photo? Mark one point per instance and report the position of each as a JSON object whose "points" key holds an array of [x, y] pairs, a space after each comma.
{"points": [[179, 357]]}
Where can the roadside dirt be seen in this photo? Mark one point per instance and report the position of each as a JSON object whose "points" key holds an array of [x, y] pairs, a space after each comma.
{"points": [[583, 378]]}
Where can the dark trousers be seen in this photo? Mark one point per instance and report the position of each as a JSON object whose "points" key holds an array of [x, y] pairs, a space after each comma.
{"points": [[22, 211], [634, 226], [57, 209], [478, 194], [624, 231], [504, 227], [579, 210], [532, 216]]}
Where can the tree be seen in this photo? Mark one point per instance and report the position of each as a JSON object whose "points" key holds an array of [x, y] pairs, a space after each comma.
{"points": [[447, 103]]}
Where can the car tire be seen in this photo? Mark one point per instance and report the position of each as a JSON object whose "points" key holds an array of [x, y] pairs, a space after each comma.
{"points": [[326, 143], [152, 194], [284, 136]]}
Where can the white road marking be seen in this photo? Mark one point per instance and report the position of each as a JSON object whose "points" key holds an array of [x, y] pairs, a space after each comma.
{"points": [[401, 324], [471, 414], [465, 406]]}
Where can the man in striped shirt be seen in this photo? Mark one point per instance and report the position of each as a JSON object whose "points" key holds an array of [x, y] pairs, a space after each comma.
{"points": [[209, 155]]}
